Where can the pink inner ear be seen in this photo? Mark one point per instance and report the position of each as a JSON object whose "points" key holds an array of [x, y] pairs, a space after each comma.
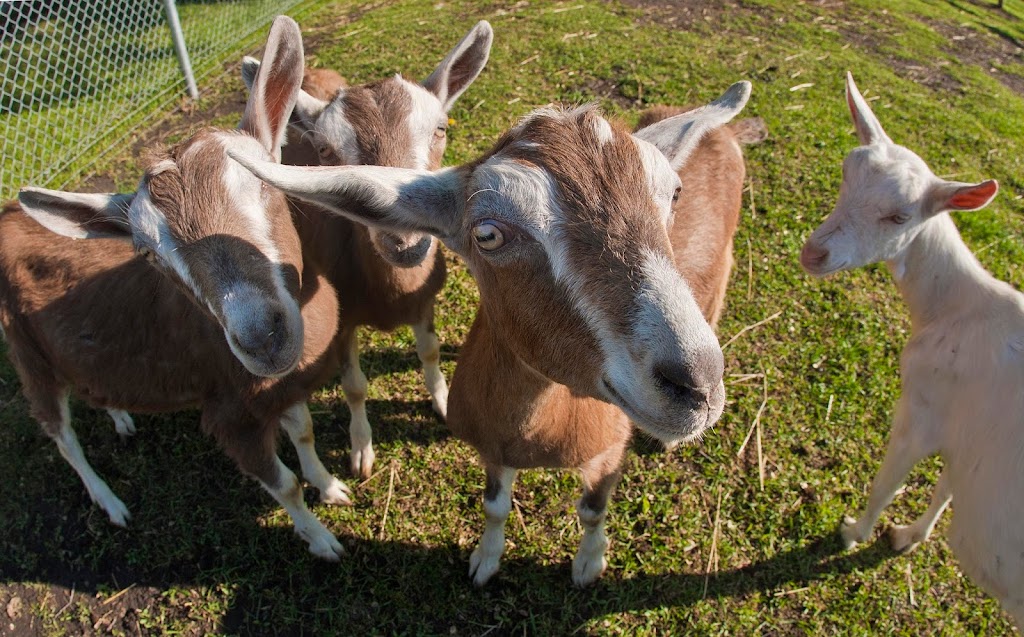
{"points": [[975, 197]]}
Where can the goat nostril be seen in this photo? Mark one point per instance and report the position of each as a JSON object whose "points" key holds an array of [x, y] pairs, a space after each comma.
{"points": [[811, 255], [678, 382]]}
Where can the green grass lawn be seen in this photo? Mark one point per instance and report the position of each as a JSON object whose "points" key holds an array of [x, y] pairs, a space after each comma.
{"points": [[699, 545]]}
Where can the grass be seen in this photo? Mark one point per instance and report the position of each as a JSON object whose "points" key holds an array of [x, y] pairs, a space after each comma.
{"points": [[698, 544]]}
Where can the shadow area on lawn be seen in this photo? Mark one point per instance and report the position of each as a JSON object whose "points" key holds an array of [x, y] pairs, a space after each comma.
{"points": [[388, 587]]}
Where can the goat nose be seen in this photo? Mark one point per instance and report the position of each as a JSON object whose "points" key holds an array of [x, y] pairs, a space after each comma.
{"points": [[812, 256], [262, 337]]}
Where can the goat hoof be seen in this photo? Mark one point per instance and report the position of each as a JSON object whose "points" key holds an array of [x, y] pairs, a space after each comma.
{"points": [[482, 566], [849, 533], [902, 539], [362, 462], [586, 570], [441, 408], [123, 423], [337, 493], [119, 514], [327, 547]]}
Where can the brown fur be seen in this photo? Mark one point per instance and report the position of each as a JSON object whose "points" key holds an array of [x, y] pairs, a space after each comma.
{"points": [[94, 318], [515, 414], [371, 290], [708, 211]]}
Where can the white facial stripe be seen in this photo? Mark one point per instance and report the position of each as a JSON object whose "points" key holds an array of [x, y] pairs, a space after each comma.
{"points": [[334, 126], [426, 115], [245, 193], [149, 221], [666, 299]]}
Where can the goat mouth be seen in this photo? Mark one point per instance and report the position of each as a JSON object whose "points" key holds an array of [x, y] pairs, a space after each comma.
{"points": [[826, 272], [655, 426]]}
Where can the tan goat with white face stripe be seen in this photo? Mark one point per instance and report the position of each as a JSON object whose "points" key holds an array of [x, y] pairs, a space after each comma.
{"points": [[225, 317], [584, 320], [384, 278]]}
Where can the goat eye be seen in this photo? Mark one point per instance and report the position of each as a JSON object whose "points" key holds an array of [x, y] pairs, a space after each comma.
{"points": [[488, 236], [898, 218], [327, 154], [441, 131], [675, 195]]}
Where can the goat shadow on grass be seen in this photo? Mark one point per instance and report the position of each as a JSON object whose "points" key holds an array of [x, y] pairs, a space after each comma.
{"points": [[199, 525]]}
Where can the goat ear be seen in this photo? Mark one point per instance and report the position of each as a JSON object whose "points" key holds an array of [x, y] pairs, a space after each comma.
{"points": [[307, 108], [458, 70], [275, 86], [394, 199], [952, 195], [869, 129], [678, 136], [79, 215]]}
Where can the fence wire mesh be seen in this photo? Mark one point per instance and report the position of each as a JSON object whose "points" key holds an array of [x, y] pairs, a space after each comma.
{"points": [[78, 76]]}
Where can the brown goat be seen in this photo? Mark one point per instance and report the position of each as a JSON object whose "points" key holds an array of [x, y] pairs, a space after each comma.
{"points": [[384, 279], [585, 322], [226, 316]]}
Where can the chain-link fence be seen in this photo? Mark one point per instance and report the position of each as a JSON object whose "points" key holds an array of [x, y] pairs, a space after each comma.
{"points": [[77, 76]]}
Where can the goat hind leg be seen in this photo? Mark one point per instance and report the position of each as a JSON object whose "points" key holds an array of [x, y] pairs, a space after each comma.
{"points": [[906, 538], [123, 423], [353, 383], [298, 424], [908, 444], [486, 557], [428, 349]]}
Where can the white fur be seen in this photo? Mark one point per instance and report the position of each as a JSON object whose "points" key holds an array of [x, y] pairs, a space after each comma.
{"points": [[333, 125], [428, 349], [962, 370], [123, 423], [603, 130], [426, 115], [486, 557]]}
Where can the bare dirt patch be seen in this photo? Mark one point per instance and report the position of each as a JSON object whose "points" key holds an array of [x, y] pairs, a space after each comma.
{"points": [[987, 51], [693, 15]]}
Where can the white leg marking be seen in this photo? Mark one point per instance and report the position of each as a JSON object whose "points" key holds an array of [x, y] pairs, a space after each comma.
{"points": [[428, 348], [590, 563], [288, 494], [906, 448], [298, 424], [123, 422], [906, 538], [67, 444], [354, 385], [486, 557]]}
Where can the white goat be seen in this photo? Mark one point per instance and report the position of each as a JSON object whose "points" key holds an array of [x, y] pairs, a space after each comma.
{"points": [[963, 368]]}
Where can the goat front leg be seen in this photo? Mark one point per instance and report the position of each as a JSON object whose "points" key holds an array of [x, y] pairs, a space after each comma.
{"points": [[599, 479], [298, 424], [910, 442], [486, 557], [253, 445], [428, 349], [54, 415], [906, 538], [353, 383]]}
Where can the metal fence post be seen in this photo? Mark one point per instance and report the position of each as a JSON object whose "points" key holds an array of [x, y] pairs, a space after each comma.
{"points": [[179, 47]]}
